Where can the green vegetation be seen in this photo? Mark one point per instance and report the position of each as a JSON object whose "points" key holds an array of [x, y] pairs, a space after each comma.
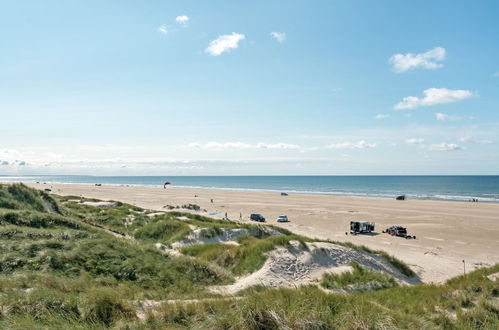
{"points": [[359, 279], [61, 266], [163, 231], [20, 197], [65, 265], [241, 259]]}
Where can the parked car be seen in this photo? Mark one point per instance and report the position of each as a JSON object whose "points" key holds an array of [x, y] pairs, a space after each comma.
{"points": [[398, 231], [283, 218], [257, 217]]}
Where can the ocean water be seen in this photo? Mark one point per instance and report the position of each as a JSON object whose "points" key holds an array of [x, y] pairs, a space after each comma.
{"points": [[455, 188]]}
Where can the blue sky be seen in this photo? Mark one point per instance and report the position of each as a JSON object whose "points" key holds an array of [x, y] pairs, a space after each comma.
{"points": [[249, 87]]}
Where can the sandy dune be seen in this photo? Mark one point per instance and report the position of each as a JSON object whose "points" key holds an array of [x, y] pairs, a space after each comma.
{"points": [[447, 232], [298, 265]]}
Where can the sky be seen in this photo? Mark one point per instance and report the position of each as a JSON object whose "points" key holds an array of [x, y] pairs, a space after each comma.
{"points": [[123, 87]]}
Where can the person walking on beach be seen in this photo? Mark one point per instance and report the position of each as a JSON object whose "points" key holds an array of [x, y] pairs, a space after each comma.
{"points": [[240, 216]]}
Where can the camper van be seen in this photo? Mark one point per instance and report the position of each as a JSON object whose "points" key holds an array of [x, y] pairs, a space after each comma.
{"points": [[361, 227]]}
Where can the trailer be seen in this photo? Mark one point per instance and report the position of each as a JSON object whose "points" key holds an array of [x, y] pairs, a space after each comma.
{"points": [[361, 227]]}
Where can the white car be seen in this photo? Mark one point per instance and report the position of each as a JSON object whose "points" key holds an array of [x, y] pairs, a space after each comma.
{"points": [[283, 218]]}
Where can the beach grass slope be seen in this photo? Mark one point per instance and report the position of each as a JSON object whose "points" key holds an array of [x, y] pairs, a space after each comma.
{"points": [[71, 262]]}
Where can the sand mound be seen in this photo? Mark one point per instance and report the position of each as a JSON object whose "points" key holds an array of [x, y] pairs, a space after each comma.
{"points": [[305, 264], [224, 235], [101, 205]]}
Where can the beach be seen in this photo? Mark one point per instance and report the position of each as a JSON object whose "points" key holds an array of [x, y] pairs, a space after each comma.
{"points": [[446, 232]]}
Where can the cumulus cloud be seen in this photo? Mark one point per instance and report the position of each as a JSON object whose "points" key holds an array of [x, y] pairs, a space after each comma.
{"points": [[444, 146], [414, 141], [381, 116], [279, 36], [278, 146], [433, 96], [469, 139], [428, 60], [224, 43], [242, 145], [351, 145], [182, 19], [163, 29], [444, 117]]}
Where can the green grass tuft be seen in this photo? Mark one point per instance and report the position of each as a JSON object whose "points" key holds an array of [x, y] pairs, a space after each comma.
{"points": [[359, 279]]}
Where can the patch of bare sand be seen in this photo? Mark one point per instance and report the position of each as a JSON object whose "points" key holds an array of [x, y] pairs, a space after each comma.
{"points": [[306, 263]]}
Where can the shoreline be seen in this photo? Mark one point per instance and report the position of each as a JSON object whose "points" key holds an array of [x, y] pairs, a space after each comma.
{"points": [[294, 192], [447, 231]]}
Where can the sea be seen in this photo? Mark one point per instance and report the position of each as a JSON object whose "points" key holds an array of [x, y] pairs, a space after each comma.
{"points": [[433, 187]]}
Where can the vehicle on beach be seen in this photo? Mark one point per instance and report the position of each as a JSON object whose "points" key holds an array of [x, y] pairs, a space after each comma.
{"points": [[398, 231], [361, 227], [283, 218], [257, 217], [401, 198]]}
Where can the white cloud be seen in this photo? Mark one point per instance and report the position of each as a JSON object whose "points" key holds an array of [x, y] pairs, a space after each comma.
{"points": [[278, 146], [351, 145], [409, 61], [381, 116], [183, 19], [163, 29], [444, 117], [279, 36], [469, 139], [224, 43], [414, 141], [433, 96], [444, 146], [242, 145]]}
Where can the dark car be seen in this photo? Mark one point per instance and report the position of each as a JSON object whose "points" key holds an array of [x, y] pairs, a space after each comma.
{"points": [[398, 231], [257, 217]]}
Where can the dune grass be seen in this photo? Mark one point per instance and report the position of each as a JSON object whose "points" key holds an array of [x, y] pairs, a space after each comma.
{"points": [[245, 258], [163, 231], [416, 307], [359, 279], [20, 197]]}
